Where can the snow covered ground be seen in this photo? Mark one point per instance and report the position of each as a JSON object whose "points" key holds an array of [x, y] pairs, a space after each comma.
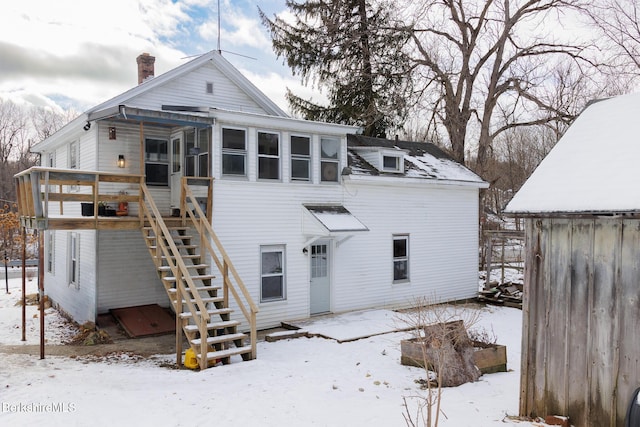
{"points": [[294, 382]]}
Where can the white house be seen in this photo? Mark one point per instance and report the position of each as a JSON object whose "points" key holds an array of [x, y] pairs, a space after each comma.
{"points": [[316, 218]]}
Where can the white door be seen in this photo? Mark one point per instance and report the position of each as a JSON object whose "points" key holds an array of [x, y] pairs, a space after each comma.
{"points": [[176, 165], [320, 300]]}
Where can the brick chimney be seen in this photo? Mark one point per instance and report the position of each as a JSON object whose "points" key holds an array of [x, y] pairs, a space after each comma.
{"points": [[145, 66]]}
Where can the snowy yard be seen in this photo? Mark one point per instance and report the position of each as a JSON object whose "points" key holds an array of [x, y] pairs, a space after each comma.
{"points": [[295, 382]]}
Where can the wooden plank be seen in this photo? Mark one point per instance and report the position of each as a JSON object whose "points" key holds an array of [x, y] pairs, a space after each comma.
{"points": [[577, 307], [602, 322], [556, 327], [629, 318]]}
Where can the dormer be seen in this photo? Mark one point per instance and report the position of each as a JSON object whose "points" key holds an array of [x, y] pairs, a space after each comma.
{"points": [[384, 159]]}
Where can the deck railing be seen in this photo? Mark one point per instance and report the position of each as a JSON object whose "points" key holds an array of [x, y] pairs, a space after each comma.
{"points": [[68, 199], [192, 213]]}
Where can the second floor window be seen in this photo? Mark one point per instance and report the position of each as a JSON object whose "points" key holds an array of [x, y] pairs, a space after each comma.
{"points": [[330, 159], [197, 152], [300, 158], [234, 152], [156, 161], [268, 155]]}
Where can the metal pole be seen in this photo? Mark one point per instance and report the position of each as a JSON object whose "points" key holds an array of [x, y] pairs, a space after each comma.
{"points": [[24, 283], [41, 288], [6, 271]]}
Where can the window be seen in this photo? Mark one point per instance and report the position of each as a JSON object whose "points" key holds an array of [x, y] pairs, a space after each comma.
{"points": [[73, 162], [329, 159], [74, 265], [73, 155], [49, 255], [234, 152], [156, 161], [209, 88], [272, 287], [300, 158], [175, 164], [197, 145], [268, 155], [391, 163], [400, 258]]}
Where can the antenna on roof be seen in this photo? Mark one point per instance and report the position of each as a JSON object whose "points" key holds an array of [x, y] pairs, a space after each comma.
{"points": [[219, 51]]}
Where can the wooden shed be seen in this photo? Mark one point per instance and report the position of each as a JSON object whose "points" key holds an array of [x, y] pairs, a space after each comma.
{"points": [[580, 343]]}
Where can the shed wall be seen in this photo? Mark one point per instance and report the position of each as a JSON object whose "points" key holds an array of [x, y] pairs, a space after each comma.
{"points": [[581, 350]]}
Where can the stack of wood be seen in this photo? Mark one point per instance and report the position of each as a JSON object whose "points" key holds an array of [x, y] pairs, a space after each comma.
{"points": [[507, 294]]}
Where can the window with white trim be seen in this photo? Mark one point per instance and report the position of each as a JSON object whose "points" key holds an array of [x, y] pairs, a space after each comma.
{"points": [[197, 147], [268, 155], [74, 262], [400, 258], [156, 161], [300, 158], [234, 152], [73, 155], [392, 163], [272, 273], [329, 159]]}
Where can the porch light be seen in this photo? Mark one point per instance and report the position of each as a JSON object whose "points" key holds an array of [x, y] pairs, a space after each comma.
{"points": [[120, 160]]}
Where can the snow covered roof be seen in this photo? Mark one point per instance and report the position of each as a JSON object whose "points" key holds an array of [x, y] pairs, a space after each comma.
{"points": [[336, 218], [421, 160], [594, 166]]}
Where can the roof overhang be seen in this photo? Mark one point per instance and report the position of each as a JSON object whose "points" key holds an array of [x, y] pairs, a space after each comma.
{"points": [[122, 113], [322, 221]]}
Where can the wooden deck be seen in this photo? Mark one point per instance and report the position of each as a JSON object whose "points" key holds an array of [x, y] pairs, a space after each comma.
{"points": [[185, 249], [52, 199]]}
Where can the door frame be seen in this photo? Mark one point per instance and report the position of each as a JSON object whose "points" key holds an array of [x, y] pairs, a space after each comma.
{"points": [[330, 250], [175, 177]]}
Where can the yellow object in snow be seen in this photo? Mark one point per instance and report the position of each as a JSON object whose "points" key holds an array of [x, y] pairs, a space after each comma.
{"points": [[190, 359]]}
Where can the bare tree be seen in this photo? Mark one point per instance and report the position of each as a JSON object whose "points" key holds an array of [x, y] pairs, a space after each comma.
{"points": [[619, 22], [478, 56], [13, 139], [21, 127]]}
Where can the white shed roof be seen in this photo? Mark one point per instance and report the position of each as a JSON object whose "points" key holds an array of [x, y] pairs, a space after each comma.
{"points": [[593, 168]]}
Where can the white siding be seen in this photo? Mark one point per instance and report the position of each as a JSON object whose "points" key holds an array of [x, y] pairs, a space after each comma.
{"points": [[441, 223], [78, 302], [126, 273], [190, 90]]}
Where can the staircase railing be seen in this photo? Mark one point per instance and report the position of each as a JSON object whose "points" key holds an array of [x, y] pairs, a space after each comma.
{"points": [[165, 246], [231, 281]]}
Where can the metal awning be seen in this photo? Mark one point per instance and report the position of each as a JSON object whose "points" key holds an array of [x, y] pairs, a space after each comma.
{"points": [[335, 218], [163, 118]]}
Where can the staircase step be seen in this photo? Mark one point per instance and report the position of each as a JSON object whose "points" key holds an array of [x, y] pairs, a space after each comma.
{"points": [[173, 236], [194, 267], [171, 228], [213, 311], [177, 246], [214, 355], [220, 339], [207, 300], [200, 289], [195, 277], [215, 325], [185, 256]]}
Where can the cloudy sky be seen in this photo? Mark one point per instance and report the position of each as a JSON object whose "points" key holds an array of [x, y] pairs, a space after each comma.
{"points": [[77, 54]]}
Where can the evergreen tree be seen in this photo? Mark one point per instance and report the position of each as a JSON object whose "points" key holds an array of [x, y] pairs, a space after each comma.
{"points": [[353, 49]]}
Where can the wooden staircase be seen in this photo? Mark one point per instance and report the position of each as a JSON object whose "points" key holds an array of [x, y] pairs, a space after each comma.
{"points": [[186, 257]]}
